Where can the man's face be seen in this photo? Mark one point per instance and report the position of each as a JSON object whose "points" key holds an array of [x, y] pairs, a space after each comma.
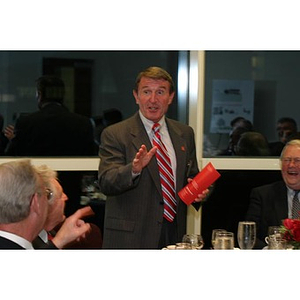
{"points": [[43, 207], [290, 167], [153, 98], [56, 208], [284, 130]]}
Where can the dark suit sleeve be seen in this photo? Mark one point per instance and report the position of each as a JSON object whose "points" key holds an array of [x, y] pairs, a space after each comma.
{"points": [[115, 166], [91, 147], [19, 144], [49, 246], [39, 244]]}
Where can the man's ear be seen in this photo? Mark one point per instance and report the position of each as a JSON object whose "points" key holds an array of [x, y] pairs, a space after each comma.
{"points": [[171, 97], [35, 204]]}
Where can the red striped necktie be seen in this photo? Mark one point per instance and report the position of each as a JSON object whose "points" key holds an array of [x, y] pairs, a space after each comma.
{"points": [[166, 175]]}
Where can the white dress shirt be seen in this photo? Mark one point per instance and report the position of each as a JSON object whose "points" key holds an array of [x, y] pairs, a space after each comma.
{"points": [[165, 137], [17, 239], [43, 235]]}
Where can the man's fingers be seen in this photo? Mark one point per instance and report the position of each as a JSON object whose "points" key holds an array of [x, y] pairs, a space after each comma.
{"points": [[84, 212]]}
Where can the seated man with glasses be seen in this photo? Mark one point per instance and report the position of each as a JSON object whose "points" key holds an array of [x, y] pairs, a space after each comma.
{"points": [[271, 204], [24, 208], [69, 230]]}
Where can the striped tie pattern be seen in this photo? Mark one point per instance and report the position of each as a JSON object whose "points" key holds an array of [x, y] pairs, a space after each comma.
{"points": [[296, 206], [166, 175]]}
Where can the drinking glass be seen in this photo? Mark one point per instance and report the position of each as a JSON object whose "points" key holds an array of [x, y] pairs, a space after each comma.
{"points": [[275, 239], [224, 241], [183, 246], [213, 235], [195, 240], [246, 234], [274, 230]]}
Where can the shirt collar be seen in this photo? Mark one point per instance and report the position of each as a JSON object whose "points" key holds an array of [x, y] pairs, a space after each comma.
{"points": [[149, 124], [16, 239], [291, 191], [44, 236]]}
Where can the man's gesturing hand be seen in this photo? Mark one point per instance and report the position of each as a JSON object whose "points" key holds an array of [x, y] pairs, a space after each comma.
{"points": [[142, 159]]}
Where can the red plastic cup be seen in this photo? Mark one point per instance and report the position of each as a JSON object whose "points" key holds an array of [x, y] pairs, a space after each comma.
{"points": [[206, 177]]}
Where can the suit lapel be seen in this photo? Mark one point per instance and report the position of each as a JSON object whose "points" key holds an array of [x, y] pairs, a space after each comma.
{"points": [[140, 137], [38, 243], [180, 147]]}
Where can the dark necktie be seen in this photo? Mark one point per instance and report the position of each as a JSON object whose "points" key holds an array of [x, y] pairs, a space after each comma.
{"points": [[50, 236], [166, 175], [296, 206]]}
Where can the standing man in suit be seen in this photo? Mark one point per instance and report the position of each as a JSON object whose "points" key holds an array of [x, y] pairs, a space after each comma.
{"points": [[23, 205], [53, 130], [272, 203], [136, 211]]}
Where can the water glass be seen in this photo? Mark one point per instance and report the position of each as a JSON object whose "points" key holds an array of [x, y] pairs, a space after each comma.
{"points": [[224, 241], [246, 234], [213, 235]]}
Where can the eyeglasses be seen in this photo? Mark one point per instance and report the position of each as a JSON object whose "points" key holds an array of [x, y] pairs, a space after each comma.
{"points": [[288, 160], [49, 194]]}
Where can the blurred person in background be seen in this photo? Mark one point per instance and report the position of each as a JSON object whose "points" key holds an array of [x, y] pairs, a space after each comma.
{"points": [[285, 128], [52, 130], [252, 144], [239, 125]]}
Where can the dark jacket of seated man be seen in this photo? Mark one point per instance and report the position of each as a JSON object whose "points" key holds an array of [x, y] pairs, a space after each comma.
{"points": [[271, 204], [92, 240], [268, 207]]}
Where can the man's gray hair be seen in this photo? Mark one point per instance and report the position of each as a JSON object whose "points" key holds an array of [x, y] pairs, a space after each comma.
{"points": [[19, 181], [295, 142], [47, 174]]}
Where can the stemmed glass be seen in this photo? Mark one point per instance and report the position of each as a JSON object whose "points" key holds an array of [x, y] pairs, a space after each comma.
{"points": [[246, 234], [195, 240]]}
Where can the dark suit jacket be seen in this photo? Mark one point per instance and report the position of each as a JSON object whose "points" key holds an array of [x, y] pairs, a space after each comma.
{"points": [[268, 207], [92, 240], [8, 244], [53, 131], [39, 244], [134, 208]]}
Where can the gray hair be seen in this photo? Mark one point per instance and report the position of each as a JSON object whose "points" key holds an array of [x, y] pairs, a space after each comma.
{"points": [[47, 174], [19, 181], [290, 143]]}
